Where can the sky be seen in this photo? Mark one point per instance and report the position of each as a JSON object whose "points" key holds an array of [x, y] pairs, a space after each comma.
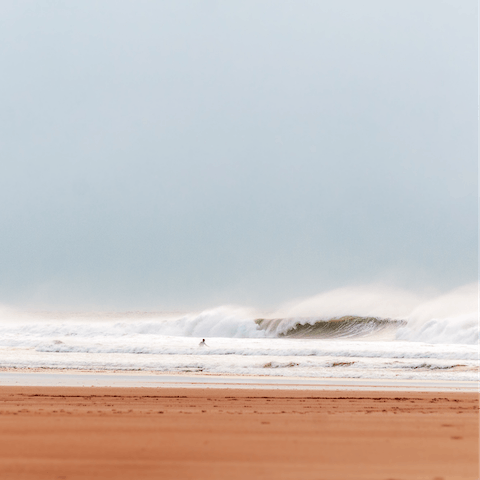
{"points": [[174, 155]]}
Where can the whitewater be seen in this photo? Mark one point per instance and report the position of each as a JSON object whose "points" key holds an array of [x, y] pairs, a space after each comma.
{"points": [[362, 332]]}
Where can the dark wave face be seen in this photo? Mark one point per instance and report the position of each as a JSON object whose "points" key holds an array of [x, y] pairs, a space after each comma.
{"points": [[343, 327]]}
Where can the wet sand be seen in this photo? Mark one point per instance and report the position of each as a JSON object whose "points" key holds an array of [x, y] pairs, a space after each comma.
{"points": [[47, 377], [209, 433]]}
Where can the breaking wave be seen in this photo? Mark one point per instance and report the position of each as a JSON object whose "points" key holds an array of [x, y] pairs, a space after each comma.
{"points": [[343, 327], [356, 313], [346, 333]]}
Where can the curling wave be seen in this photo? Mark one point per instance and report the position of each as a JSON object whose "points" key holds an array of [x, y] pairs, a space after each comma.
{"points": [[344, 327]]}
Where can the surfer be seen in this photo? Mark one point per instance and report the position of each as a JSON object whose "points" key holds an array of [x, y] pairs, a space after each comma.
{"points": [[202, 344]]}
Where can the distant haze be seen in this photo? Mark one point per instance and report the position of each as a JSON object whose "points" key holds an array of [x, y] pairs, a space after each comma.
{"points": [[175, 155]]}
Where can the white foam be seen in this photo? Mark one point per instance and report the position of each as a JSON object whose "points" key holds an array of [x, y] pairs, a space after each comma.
{"points": [[440, 340], [462, 329]]}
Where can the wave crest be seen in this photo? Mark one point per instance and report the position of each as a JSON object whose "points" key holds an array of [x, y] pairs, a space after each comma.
{"points": [[348, 326]]}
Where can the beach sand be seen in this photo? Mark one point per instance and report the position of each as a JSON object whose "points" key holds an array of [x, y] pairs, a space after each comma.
{"points": [[210, 433]]}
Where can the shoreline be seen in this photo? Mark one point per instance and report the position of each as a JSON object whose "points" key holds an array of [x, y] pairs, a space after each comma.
{"points": [[152, 379]]}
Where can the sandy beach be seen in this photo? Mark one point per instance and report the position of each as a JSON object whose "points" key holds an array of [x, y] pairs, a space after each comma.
{"points": [[210, 433]]}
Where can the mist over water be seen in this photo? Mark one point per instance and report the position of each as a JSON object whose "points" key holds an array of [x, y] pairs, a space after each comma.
{"points": [[448, 318], [357, 332]]}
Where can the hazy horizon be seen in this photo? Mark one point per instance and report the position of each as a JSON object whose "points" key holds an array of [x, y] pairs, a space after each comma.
{"points": [[159, 156]]}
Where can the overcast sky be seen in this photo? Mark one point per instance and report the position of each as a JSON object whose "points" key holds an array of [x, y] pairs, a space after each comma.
{"points": [[180, 154]]}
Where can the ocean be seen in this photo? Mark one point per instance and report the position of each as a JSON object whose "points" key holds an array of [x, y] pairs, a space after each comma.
{"points": [[436, 339]]}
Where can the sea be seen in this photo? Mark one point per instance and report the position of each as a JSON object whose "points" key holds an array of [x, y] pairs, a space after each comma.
{"points": [[350, 333]]}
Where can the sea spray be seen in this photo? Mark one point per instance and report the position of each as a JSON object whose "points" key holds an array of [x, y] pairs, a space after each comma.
{"points": [[357, 333]]}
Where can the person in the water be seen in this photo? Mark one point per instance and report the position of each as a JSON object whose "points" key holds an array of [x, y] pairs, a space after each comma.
{"points": [[202, 344]]}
